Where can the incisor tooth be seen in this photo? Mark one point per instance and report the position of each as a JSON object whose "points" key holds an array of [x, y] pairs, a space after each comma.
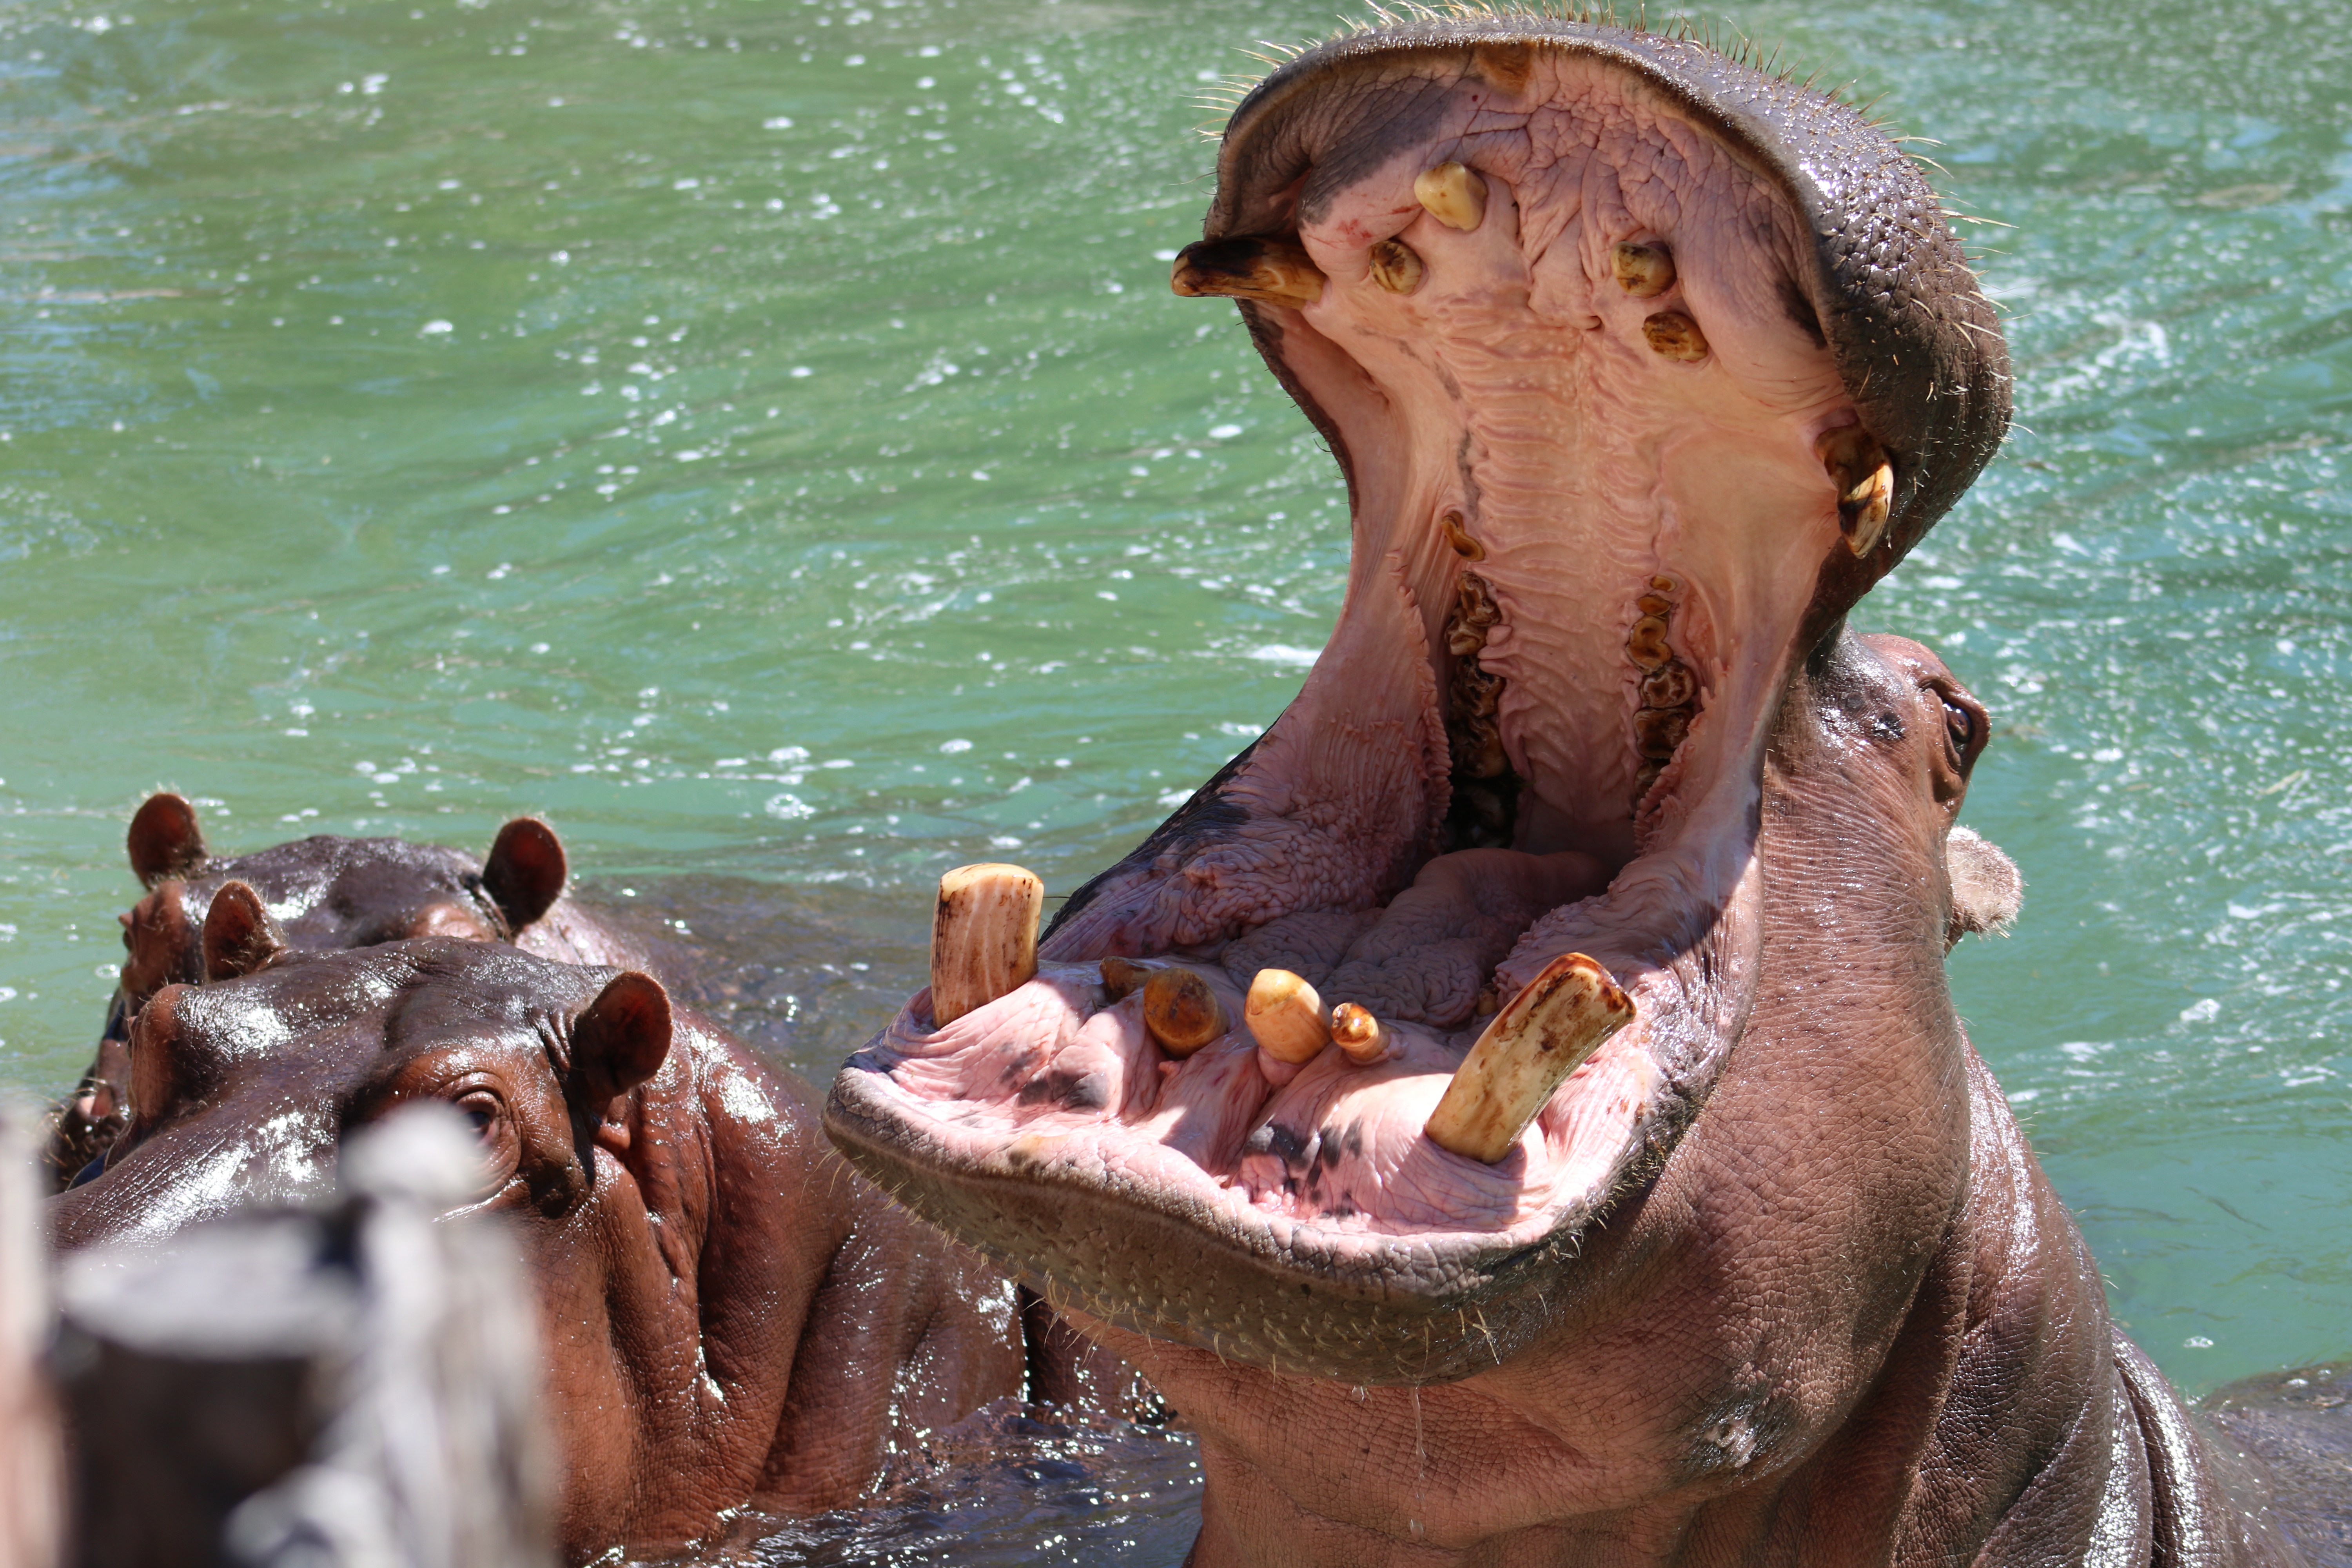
{"points": [[1455, 195], [1675, 335], [1354, 1031], [1180, 1011], [1395, 267], [1253, 267], [1286, 1016], [1541, 1035], [983, 937], [1644, 271], [1120, 976]]}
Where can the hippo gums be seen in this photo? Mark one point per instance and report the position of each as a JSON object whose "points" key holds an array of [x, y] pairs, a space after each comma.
{"points": [[731, 1320], [1516, 1111]]}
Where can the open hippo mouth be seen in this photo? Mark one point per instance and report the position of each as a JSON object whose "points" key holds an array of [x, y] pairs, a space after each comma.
{"points": [[1642, 365]]}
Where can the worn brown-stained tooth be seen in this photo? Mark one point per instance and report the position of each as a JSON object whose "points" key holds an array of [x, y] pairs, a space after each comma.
{"points": [[1865, 477], [1671, 685], [1658, 731], [1645, 779], [1644, 271], [1286, 1016], [1455, 195], [1675, 335], [1646, 645], [983, 937], [1252, 267], [1120, 976], [1458, 536], [1396, 268], [1354, 1031], [1179, 1010], [1541, 1035]]}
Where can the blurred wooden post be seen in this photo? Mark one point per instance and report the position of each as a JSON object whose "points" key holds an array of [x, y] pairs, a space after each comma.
{"points": [[352, 1388], [29, 1468]]}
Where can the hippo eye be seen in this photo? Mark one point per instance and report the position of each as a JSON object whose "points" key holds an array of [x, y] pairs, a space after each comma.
{"points": [[1960, 725]]}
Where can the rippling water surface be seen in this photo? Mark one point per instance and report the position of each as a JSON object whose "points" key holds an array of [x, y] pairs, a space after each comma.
{"points": [[759, 437]]}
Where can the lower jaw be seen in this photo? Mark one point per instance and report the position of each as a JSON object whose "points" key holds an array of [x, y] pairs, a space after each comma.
{"points": [[1048, 1129]]}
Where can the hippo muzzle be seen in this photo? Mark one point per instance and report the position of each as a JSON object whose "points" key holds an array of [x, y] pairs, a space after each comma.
{"points": [[1642, 365]]}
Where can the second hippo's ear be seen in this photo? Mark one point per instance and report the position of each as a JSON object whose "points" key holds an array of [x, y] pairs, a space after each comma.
{"points": [[239, 935], [164, 840], [524, 875], [1988, 890], [620, 1041]]}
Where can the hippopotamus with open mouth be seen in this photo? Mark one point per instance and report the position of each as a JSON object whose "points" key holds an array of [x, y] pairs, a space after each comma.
{"points": [[1641, 1199]]}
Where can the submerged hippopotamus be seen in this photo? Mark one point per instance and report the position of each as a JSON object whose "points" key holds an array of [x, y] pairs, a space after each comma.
{"points": [[1642, 1199], [731, 1319], [324, 892]]}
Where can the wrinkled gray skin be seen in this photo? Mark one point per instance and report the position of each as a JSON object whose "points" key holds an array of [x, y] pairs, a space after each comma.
{"points": [[1775, 1278]]}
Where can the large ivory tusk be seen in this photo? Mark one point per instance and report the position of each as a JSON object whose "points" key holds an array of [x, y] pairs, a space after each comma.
{"points": [[983, 937], [1865, 477], [1452, 195], [1541, 1035], [1286, 1016]]}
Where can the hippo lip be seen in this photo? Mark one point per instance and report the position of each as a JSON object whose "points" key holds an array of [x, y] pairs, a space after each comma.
{"points": [[1595, 322]]}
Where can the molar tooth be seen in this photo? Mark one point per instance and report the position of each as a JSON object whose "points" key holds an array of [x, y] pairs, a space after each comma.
{"points": [[1120, 976], [1671, 685], [1179, 1010], [1646, 645], [1364, 1037], [1658, 731], [1644, 271], [1395, 267], [1453, 195], [1675, 335], [1459, 537], [1252, 267], [983, 937], [1545, 1032], [1286, 1016]]}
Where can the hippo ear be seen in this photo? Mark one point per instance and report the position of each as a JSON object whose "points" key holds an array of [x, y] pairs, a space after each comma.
{"points": [[164, 839], [1987, 888], [239, 935], [620, 1041], [525, 872]]}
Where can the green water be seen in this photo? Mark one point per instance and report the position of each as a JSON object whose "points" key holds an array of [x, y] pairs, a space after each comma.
{"points": [[759, 436]]}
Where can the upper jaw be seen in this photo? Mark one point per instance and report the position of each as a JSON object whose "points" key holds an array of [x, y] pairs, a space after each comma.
{"points": [[1553, 517]]}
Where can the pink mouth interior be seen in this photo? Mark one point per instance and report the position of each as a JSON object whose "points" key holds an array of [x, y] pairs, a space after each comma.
{"points": [[1515, 393]]}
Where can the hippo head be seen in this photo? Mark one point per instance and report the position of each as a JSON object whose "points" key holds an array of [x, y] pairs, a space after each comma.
{"points": [[241, 1088], [324, 893], [1641, 366]]}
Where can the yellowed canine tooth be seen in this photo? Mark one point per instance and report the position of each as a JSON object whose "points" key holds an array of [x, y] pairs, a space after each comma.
{"points": [[1865, 477], [1179, 1010], [1644, 271], [1286, 1016], [1395, 267], [1541, 1035], [1453, 195], [1364, 1037], [983, 937], [1273, 269]]}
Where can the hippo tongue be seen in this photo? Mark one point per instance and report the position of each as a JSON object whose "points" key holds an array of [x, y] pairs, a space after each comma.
{"points": [[1642, 366]]}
